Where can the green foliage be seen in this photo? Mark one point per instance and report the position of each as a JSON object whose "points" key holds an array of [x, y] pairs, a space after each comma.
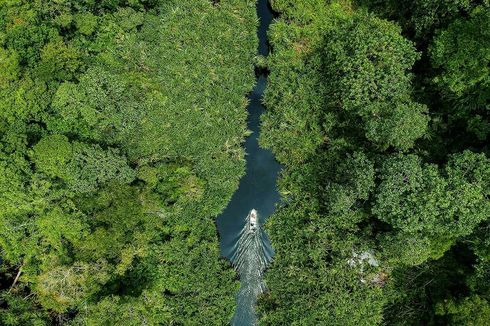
{"points": [[119, 145], [21, 312], [344, 70], [91, 166], [421, 17], [470, 311], [462, 52], [82, 167], [178, 182], [417, 291], [430, 14], [58, 62], [86, 23], [310, 280], [351, 180], [52, 154], [417, 199], [294, 125], [63, 287], [121, 125], [101, 107], [366, 75], [9, 67], [366, 175]]}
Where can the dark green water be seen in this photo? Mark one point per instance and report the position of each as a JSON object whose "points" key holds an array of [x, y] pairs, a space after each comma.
{"points": [[257, 188]]}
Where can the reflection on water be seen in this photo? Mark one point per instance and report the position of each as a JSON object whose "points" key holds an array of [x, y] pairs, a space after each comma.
{"points": [[251, 252]]}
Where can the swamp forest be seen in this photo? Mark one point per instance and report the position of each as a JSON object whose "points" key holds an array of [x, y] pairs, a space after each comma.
{"points": [[269, 162]]}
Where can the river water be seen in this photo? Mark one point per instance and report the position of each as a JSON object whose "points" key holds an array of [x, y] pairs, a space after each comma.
{"points": [[257, 188]]}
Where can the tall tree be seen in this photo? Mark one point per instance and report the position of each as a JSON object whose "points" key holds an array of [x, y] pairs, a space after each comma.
{"points": [[462, 54]]}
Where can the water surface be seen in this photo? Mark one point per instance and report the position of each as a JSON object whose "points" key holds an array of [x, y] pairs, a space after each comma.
{"points": [[257, 188]]}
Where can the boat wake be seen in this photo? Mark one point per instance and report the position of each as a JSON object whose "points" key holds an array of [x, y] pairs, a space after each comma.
{"points": [[250, 257]]}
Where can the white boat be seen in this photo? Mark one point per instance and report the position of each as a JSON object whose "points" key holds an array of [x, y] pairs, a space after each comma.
{"points": [[253, 220]]}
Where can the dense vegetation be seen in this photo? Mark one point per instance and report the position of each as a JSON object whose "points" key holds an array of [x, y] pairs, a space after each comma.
{"points": [[379, 112], [121, 131], [121, 124]]}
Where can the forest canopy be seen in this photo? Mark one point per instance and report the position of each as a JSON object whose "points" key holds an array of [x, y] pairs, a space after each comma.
{"points": [[121, 126], [378, 111]]}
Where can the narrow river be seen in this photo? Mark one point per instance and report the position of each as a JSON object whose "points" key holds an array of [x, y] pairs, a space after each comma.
{"points": [[257, 189]]}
